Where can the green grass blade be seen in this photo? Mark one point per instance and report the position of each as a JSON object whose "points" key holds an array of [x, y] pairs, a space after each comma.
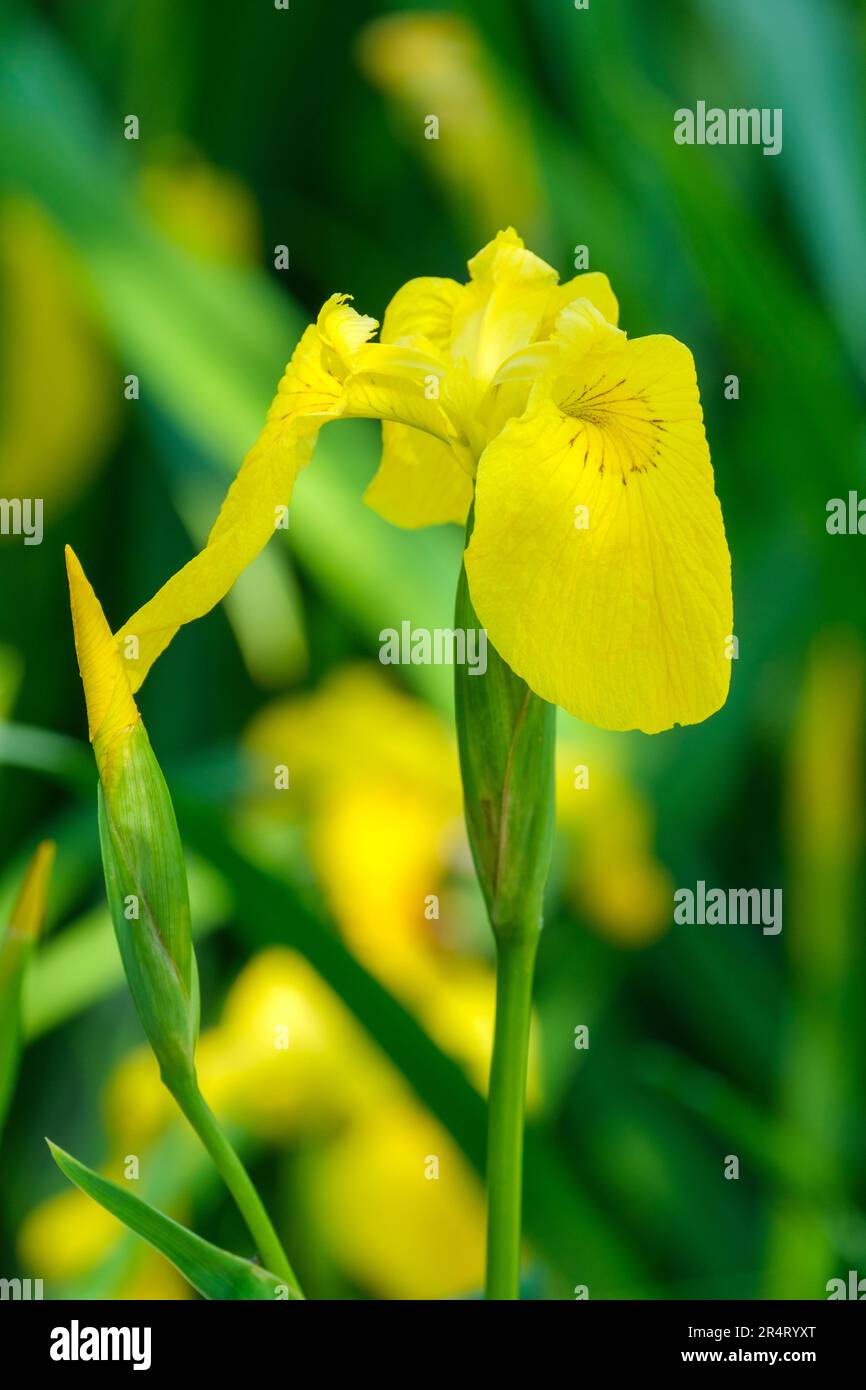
{"points": [[214, 1273]]}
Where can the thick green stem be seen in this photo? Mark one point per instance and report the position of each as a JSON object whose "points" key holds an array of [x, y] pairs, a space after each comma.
{"points": [[515, 964], [507, 739], [238, 1182]]}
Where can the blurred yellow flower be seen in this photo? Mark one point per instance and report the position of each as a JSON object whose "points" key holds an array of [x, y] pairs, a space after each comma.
{"points": [[611, 872], [60, 396], [275, 1064], [68, 1236], [825, 805], [209, 212], [437, 65], [399, 1207], [377, 771]]}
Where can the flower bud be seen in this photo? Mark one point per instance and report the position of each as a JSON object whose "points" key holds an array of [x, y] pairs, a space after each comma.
{"points": [[145, 875], [506, 736]]}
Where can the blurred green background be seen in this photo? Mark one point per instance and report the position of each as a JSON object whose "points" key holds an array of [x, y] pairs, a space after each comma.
{"points": [[261, 128]]}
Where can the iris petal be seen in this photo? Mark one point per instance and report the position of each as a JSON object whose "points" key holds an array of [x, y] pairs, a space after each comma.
{"points": [[598, 561]]}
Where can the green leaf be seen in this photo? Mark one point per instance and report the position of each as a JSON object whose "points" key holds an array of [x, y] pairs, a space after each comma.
{"points": [[16, 948], [213, 1272]]}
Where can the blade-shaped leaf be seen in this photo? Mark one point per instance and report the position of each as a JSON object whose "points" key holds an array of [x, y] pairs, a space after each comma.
{"points": [[213, 1272], [16, 947]]}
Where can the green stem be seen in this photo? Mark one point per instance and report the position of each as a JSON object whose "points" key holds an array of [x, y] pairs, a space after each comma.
{"points": [[238, 1182], [515, 963]]}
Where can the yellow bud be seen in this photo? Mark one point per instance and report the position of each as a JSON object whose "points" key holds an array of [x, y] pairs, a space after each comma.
{"points": [[111, 710]]}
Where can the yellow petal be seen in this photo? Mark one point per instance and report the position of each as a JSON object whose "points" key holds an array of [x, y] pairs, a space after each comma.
{"points": [[111, 710], [592, 286], [503, 306], [343, 331], [419, 481], [423, 308], [28, 914], [624, 621], [400, 383], [307, 395]]}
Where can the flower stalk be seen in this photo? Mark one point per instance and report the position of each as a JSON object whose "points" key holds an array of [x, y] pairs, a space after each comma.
{"points": [[148, 896], [506, 736]]}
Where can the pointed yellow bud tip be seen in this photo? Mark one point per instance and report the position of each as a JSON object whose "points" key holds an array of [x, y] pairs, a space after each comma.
{"points": [[111, 710], [28, 914]]}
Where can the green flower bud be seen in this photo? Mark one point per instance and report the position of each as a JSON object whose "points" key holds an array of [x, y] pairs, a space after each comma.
{"points": [[145, 874], [145, 879], [506, 736]]}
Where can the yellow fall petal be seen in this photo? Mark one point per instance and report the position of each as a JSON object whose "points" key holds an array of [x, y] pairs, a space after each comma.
{"points": [[334, 373], [598, 563], [111, 710], [306, 396]]}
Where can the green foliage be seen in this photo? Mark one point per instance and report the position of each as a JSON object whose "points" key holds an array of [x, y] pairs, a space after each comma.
{"points": [[214, 1273]]}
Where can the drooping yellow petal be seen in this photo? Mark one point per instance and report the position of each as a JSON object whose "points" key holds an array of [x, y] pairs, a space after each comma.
{"points": [[334, 373], [111, 710], [598, 563], [307, 395]]}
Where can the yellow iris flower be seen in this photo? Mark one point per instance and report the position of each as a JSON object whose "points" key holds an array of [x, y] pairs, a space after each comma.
{"points": [[598, 562]]}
